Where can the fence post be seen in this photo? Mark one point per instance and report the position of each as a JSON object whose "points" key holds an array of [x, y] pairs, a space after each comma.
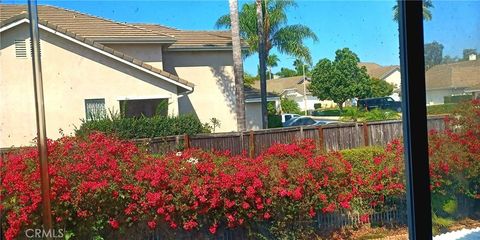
{"points": [[321, 144], [177, 141], [242, 144], [186, 141], [302, 135], [365, 134], [251, 145]]}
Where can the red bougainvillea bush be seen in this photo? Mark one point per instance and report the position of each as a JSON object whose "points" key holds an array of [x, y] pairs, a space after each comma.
{"points": [[104, 186]]}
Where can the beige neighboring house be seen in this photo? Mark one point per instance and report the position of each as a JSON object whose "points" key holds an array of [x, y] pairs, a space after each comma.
{"points": [[390, 74], [293, 88], [452, 79], [92, 65], [253, 107]]}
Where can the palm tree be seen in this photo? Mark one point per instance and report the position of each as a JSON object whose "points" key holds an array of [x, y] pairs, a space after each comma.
{"points": [[427, 14], [272, 61], [287, 39], [237, 66]]}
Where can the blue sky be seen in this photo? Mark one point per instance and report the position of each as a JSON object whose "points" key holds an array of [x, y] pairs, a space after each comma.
{"points": [[366, 27]]}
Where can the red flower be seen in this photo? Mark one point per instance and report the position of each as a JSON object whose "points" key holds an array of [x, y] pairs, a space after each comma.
{"points": [[114, 224], [365, 218], [152, 224], [213, 228], [266, 216]]}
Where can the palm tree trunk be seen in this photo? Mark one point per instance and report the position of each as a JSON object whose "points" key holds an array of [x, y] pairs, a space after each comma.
{"points": [[237, 66], [262, 57]]}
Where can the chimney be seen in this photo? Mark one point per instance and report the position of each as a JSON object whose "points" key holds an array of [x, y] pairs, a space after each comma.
{"points": [[472, 57]]}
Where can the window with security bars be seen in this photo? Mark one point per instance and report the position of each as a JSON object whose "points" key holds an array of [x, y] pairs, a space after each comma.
{"points": [[94, 109]]}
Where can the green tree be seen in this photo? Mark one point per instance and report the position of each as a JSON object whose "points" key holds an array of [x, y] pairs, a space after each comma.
{"points": [[341, 79], [272, 61], [287, 72], [380, 88], [287, 39], [467, 52], [299, 65], [433, 54], [289, 106], [249, 79], [427, 14], [448, 59]]}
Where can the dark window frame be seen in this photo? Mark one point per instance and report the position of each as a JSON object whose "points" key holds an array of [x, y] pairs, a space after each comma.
{"points": [[93, 100], [415, 136]]}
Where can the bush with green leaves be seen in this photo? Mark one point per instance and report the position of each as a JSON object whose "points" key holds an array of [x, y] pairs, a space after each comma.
{"points": [[290, 106], [355, 114], [144, 127]]}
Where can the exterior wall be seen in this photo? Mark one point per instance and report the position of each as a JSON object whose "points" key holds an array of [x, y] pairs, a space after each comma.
{"points": [[212, 74], [311, 101], [71, 74], [253, 115], [435, 97], [395, 78], [149, 53]]}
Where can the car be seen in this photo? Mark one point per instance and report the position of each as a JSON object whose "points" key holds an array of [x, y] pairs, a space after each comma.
{"points": [[319, 123], [288, 116], [299, 121], [386, 103]]}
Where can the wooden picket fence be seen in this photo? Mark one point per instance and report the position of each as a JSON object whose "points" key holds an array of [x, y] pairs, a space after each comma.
{"points": [[331, 137]]}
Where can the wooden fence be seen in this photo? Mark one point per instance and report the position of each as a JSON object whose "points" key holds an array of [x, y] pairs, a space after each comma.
{"points": [[331, 137]]}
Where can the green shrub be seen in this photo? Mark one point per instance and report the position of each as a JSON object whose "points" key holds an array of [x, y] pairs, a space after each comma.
{"points": [[327, 112], [380, 115], [317, 105], [441, 109], [457, 98], [144, 127], [290, 106], [274, 121]]}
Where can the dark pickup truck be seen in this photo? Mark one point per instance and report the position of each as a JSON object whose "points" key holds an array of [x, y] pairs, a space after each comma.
{"points": [[386, 103]]}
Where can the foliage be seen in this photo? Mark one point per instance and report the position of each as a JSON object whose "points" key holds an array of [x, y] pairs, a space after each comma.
{"points": [[433, 54], [457, 98], [317, 105], [427, 13], [103, 187], [289, 106], [441, 109], [274, 121], [300, 66], [355, 114], [215, 123], [249, 79], [341, 79], [380, 88], [287, 39], [327, 112], [143, 127], [286, 72], [448, 59]]}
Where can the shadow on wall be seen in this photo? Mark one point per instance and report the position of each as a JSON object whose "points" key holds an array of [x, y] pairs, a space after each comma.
{"points": [[226, 85]]}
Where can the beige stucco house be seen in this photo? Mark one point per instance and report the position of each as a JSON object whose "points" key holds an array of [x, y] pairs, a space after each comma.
{"points": [[390, 74], [452, 79], [93, 65]]}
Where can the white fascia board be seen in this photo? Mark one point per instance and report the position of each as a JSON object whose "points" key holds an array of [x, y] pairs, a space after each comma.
{"points": [[98, 51]]}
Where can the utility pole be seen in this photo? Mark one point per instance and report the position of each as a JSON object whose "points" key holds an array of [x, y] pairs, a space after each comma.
{"points": [[261, 56], [304, 90], [40, 115]]}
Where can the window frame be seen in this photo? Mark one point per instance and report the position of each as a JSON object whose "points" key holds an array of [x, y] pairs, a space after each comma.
{"points": [[86, 102], [414, 117]]}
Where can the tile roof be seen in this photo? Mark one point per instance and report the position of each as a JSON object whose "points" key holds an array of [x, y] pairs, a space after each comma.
{"points": [[279, 85], [253, 93], [464, 74], [192, 39], [98, 46], [378, 71], [88, 26]]}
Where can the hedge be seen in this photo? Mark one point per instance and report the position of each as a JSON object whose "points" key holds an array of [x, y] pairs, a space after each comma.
{"points": [[144, 127]]}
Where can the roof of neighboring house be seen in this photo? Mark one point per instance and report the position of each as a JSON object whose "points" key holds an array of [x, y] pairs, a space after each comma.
{"points": [[279, 85], [106, 50], [464, 74], [192, 39], [378, 71], [253, 93]]}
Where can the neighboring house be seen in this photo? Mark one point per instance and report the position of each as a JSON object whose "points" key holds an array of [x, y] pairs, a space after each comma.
{"points": [[390, 74], [93, 65], [293, 88], [452, 79], [253, 107]]}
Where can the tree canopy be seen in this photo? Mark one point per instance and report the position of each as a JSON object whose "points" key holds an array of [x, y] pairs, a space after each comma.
{"points": [[433, 54], [427, 14], [341, 79], [287, 39]]}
